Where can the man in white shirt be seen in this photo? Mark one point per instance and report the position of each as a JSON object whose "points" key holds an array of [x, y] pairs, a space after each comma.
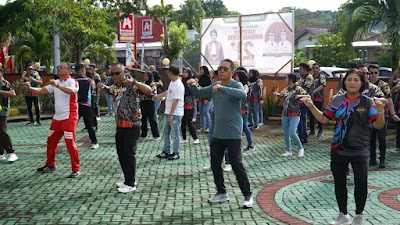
{"points": [[270, 46], [173, 113], [65, 118]]}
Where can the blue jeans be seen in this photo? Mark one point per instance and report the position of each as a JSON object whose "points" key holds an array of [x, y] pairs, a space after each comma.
{"points": [[253, 113], [246, 130], [156, 106], [303, 122], [172, 130], [289, 126], [204, 114], [260, 113], [110, 105], [210, 140]]}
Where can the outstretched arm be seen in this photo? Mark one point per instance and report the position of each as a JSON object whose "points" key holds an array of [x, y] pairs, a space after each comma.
{"points": [[315, 111]]}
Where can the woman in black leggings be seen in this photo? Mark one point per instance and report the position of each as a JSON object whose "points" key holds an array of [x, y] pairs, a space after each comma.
{"points": [[188, 108], [353, 113]]}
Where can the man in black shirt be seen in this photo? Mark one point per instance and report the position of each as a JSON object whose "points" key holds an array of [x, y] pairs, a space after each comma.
{"points": [[85, 102]]}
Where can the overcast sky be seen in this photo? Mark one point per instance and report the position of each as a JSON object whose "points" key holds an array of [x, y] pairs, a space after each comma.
{"points": [[260, 6]]}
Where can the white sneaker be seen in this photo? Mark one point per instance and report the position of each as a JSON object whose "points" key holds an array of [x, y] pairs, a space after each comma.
{"points": [[197, 141], [3, 157], [183, 142], [121, 184], [126, 189], [207, 167], [357, 220], [248, 202], [98, 118], [301, 152], [13, 157], [95, 146], [227, 168], [287, 154], [341, 220]]}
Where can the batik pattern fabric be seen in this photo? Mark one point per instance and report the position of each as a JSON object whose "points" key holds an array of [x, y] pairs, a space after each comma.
{"points": [[371, 91], [291, 106], [126, 106], [306, 82], [353, 119], [384, 87], [317, 82]]}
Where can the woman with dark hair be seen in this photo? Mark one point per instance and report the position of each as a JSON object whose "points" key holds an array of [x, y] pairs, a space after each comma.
{"points": [[204, 103], [353, 112], [255, 99], [291, 113], [241, 76], [147, 108], [188, 108]]}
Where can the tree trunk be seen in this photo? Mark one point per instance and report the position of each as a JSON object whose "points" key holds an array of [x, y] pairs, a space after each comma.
{"points": [[166, 53], [78, 53], [395, 60]]}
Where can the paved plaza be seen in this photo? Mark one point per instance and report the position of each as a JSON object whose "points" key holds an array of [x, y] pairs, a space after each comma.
{"points": [[287, 190]]}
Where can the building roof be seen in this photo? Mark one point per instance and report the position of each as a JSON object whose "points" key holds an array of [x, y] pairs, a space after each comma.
{"points": [[313, 29]]}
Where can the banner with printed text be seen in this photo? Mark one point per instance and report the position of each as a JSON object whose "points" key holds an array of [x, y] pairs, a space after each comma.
{"points": [[266, 43]]}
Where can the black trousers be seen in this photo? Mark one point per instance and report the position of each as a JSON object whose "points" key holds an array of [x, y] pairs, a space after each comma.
{"points": [[187, 121], [339, 167], [382, 142], [125, 139], [5, 140], [147, 108], [398, 134], [35, 101], [87, 113], [319, 106], [95, 110], [218, 147]]}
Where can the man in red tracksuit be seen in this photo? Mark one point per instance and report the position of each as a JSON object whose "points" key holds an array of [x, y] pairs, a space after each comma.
{"points": [[65, 118]]}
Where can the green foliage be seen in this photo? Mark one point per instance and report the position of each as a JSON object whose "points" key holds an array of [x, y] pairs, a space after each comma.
{"points": [[304, 17], [330, 51], [13, 19], [271, 103], [177, 42], [79, 23], [359, 17], [191, 12], [385, 60], [299, 57], [214, 8]]}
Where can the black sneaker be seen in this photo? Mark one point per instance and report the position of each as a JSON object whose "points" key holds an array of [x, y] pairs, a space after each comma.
{"points": [[372, 163], [312, 133], [162, 155], [30, 123], [173, 156], [46, 169], [38, 124], [320, 133], [249, 148], [74, 174]]}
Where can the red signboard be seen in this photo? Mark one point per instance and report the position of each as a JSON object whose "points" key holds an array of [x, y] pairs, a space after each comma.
{"points": [[126, 28], [148, 30]]}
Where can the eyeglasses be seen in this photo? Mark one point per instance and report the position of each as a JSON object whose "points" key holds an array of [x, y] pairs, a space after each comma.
{"points": [[30, 69], [373, 72], [116, 73], [223, 68], [60, 67], [366, 73]]}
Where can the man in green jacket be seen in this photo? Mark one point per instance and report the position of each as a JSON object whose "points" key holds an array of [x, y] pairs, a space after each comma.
{"points": [[227, 95]]}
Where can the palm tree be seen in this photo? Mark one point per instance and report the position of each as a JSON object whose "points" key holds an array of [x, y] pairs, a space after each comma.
{"points": [[359, 17], [191, 12]]}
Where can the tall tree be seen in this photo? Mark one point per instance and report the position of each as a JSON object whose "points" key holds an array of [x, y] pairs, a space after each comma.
{"points": [[216, 8], [359, 17], [191, 12]]}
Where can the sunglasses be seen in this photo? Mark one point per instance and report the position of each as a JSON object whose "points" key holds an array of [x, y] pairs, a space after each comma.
{"points": [[223, 68], [366, 73], [374, 72], [60, 67], [30, 69], [116, 73]]}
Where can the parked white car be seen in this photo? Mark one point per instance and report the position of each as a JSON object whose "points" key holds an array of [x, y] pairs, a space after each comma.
{"points": [[329, 72]]}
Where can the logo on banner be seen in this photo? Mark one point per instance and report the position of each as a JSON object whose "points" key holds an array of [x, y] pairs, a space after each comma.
{"points": [[147, 29], [126, 29]]}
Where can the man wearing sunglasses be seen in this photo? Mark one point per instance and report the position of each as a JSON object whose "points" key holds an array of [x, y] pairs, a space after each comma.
{"points": [[128, 117], [31, 76], [384, 87], [65, 117], [227, 134]]}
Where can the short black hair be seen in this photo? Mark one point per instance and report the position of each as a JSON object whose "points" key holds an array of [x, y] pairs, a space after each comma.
{"points": [[79, 67], [215, 32], [376, 66], [232, 65], [360, 66], [361, 76], [305, 66], [174, 69], [292, 77], [352, 66]]}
